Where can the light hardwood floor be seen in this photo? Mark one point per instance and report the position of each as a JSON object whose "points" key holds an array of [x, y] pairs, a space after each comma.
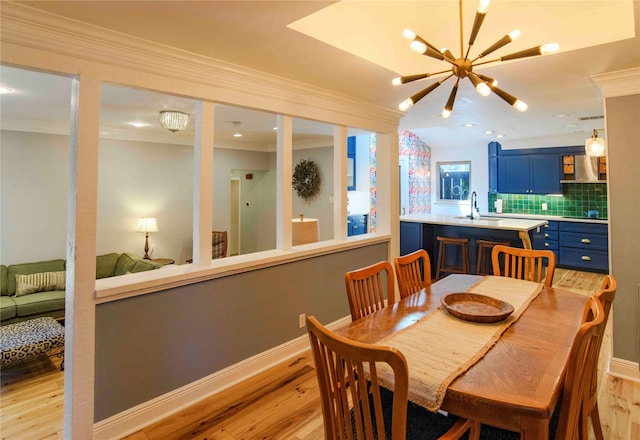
{"points": [[281, 403]]}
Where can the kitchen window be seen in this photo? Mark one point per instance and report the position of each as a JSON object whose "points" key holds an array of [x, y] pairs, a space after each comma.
{"points": [[454, 181]]}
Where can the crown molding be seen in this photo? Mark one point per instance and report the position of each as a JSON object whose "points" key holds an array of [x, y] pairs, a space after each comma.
{"points": [[126, 57], [619, 83]]}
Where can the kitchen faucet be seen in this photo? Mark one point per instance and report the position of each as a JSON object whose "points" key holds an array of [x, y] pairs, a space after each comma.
{"points": [[475, 212]]}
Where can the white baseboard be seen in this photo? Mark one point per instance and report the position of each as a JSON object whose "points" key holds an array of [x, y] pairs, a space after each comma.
{"points": [[147, 413], [624, 369]]}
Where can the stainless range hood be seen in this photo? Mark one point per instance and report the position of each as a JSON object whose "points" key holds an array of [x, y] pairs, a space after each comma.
{"points": [[586, 170]]}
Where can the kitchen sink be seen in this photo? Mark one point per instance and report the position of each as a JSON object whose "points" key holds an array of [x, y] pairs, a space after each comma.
{"points": [[482, 217]]}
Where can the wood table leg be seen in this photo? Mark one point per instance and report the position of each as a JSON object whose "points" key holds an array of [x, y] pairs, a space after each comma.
{"points": [[534, 429], [526, 240]]}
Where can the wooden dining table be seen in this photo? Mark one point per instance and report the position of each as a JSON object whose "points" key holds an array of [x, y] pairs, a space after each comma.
{"points": [[516, 385]]}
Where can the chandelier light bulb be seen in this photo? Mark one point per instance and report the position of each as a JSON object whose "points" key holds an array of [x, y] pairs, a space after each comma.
{"points": [[483, 7], [418, 46], [406, 104], [520, 105], [396, 81], [549, 48], [515, 34], [408, 34], [446, 113], [483, 89]]}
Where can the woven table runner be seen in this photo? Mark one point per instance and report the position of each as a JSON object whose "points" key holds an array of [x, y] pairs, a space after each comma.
{"points": [[440, 347]]}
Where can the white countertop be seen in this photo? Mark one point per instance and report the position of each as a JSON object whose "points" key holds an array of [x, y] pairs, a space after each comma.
{"points": [[556, 218], [486, 222]]}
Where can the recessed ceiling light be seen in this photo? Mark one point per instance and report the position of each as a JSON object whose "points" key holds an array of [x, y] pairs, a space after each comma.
{"points": [[4, 90], [488, 132], [500, 136], [571, 125], [275, 128], [138, 124], [560, 115], [469, 124], [237, 135]]}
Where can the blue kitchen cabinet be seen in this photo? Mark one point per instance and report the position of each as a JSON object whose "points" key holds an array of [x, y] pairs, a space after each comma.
{"points": [[529, 174], [351, 163], [584, 246], [356, 224], [410, 237]]}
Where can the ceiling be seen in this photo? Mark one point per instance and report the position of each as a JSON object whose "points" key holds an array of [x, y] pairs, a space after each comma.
{"points": [[356, 48]]}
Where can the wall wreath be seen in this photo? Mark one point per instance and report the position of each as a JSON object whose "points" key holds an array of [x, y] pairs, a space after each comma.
{"points": [[306, 178]]}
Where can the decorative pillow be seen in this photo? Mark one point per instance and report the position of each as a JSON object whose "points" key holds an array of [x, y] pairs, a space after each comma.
{"points": [[40, 282]]}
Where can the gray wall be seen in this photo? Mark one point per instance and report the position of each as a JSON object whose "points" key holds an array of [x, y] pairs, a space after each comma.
{"points": [[319, 206], [152, 344], [623, 134]]}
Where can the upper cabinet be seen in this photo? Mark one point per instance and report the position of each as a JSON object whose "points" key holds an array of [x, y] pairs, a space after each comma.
{"points": [[527, 171], [351, 163], [529, 174]]}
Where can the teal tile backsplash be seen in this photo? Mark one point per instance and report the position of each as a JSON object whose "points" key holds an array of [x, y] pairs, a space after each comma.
{"points": [[576, 200]]}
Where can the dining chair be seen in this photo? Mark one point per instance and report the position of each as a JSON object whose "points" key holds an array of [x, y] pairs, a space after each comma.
{"points": [[218, 244], [354, 405], [413, 272], [366, 288], [583, 359], [524, 264], [605, 295]]}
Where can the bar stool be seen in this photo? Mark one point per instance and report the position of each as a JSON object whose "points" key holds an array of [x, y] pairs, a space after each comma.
{"points": [[485, 246], [452, 268]]}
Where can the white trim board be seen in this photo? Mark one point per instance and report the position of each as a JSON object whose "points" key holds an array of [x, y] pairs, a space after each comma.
{"points": [[624, 369], [147, 413]]}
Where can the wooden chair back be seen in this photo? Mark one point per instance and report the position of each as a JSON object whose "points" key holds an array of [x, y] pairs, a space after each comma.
{"points": [[525, 264], [218, 244], [605, 295], [413, 272], [348, 381], [582, 360], [366, 288], [352, 407]]}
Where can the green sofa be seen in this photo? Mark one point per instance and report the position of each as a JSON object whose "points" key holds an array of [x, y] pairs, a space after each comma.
{"points": [[32, 290]]}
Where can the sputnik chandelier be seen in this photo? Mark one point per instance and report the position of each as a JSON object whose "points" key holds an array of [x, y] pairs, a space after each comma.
{"points": [[463, 67]]}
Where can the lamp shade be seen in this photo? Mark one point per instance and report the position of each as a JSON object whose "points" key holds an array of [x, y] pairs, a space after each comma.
{"points": [[173, 120], [147, 224], [595, 146]]}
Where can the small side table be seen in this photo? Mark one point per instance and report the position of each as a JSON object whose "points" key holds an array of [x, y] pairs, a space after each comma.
{"points": [[163, 261]]}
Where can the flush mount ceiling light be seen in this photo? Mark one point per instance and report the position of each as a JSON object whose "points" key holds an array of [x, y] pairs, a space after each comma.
{"points": [[595, 146], [173, 120], [463, 67]]}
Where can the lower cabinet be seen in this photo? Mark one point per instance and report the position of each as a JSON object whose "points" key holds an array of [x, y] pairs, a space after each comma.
{"points": [[584, 246], [548, 239], [356, 224], [410, 237]]}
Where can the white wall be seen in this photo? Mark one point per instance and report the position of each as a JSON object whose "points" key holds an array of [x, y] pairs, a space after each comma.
{"points": [[478, 155], [135, 179], [142, 179], [34, 174]]}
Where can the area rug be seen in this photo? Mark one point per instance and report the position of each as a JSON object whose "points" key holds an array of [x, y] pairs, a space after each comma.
{"points": [[426, 425]]}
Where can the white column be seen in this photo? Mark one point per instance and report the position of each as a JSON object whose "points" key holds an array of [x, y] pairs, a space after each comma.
{"points": [[388, 189], [284, 172], [203, 182], [340, 182], [79, 353]]}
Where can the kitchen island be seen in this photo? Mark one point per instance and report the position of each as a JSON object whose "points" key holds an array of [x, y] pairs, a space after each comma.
{"points": [[420, 231]]}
